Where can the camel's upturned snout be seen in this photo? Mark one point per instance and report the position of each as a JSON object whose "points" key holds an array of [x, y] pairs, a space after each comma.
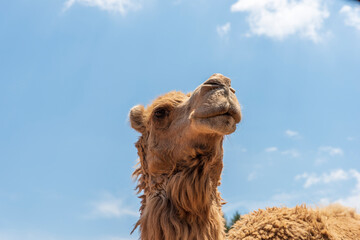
{"points": [[216, 107], [218, 79]]}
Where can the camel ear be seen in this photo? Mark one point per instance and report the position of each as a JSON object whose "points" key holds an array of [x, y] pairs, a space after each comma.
{"points": [[136, 116]]}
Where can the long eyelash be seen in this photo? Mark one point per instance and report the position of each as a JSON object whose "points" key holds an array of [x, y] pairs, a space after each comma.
{"points": [[161, 112]]}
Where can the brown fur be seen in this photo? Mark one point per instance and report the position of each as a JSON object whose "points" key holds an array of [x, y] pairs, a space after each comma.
{"points": [[181, 152], [178, 205], [333, 222], [180, 164]]}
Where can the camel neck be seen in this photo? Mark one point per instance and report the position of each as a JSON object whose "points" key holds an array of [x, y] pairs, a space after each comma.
{"points": [[186, 205]]}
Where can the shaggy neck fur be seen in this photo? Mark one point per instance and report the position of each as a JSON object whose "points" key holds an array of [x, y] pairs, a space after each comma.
{"points": [[185, 203]]}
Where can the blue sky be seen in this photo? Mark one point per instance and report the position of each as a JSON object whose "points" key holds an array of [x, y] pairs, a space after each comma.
{"points": [[71, 70]]}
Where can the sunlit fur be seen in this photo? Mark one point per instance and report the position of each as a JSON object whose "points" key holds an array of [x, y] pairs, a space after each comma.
{"points": [[179, 170], [181, 161], [182, 202], [333, 222]]}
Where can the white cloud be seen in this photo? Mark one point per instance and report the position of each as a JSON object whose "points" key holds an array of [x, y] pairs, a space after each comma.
{"points": [[279, 199], [354, 199], [310, 179], [355, 174], [325, 178], [351, 200], [291, 152], [111, 207], [352, 16], [271, 149], [332, 151], [280, 18], [223, 30], [334, 176], [326, 195], [116, 6], [291, 134], [327, 151]]}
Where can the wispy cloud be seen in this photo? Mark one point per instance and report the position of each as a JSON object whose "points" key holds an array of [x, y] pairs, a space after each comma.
{"points": [[271, 149], [352, 16], [252, 176], [325, 178], [291, 134], [223, 30], [111, 207], [307, 194], [291, 153], [325, 152], [332, 151], [280, 18], [279, 199], [116, 6], [353, 200]]}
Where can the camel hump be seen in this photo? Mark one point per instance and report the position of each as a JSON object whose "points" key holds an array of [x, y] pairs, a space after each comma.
{"points": [[330, 223], [341, 222]]}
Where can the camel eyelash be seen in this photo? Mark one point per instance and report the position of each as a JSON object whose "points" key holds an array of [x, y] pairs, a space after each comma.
{"points": [[161, 112]]}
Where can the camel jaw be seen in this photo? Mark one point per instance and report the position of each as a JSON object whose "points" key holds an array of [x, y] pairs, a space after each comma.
{"points": [[221, 124], [220, 118]]}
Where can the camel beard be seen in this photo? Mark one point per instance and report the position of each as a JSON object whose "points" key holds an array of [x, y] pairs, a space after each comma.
{"points": [[183, 204]]}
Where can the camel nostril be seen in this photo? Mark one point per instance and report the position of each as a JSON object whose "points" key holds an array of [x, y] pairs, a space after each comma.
{"points": [[213, 83], [218, 80]]}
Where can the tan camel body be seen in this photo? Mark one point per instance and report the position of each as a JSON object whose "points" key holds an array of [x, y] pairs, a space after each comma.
{"points": [[180, 164], [334, 222]]}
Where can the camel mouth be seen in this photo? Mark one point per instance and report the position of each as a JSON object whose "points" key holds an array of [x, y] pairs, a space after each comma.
{"points": [[231, 114], [222, 123], [217, 111], [227, 113]]}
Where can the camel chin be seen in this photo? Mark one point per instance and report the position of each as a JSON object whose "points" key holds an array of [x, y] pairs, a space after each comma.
{"points": [[223, 124]]}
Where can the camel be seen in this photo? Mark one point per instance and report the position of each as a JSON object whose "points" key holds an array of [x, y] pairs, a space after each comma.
{"points": [[179, 171]]}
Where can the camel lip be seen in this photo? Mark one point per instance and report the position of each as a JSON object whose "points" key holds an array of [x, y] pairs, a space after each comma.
{"points": [[228, 113], [234, 114]]}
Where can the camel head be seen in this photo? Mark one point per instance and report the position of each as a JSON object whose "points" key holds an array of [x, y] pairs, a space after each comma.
{"points": [[180, 150], [176, 125]]}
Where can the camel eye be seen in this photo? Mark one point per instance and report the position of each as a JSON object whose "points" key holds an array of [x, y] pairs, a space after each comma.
{"points": [[161, 113]]}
